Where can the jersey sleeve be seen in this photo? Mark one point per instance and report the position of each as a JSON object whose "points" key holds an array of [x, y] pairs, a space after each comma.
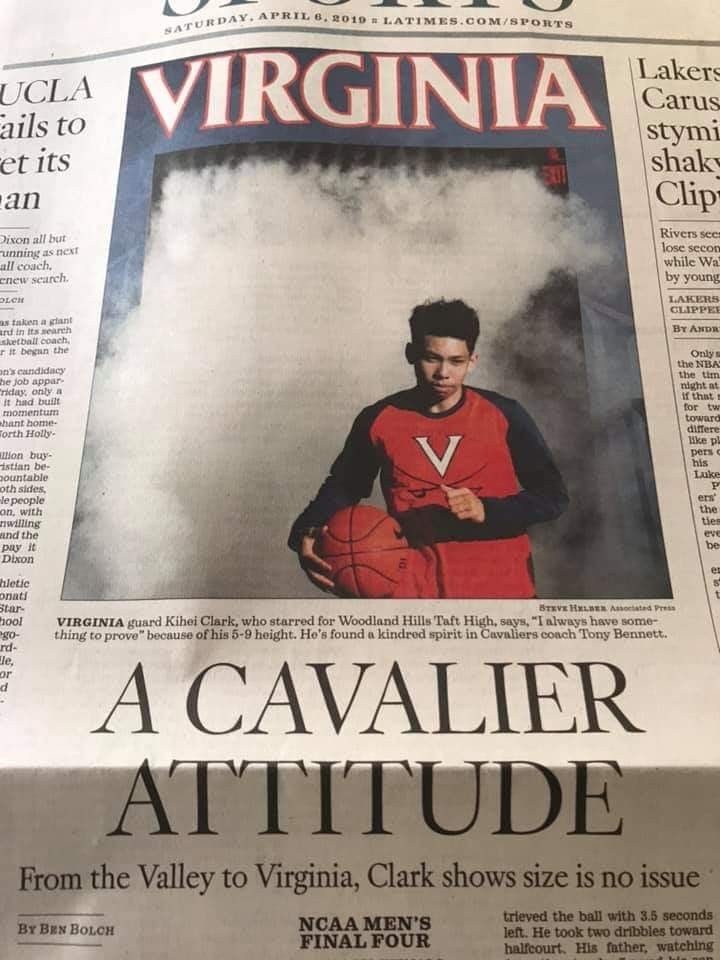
{"points": [[350, 479], [543, 496]]}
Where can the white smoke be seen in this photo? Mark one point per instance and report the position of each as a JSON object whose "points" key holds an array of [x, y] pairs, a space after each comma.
{"points": [[274, 306]]}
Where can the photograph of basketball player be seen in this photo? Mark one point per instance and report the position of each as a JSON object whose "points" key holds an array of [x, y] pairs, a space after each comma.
{"points": [[465, 472], [267, 356]]}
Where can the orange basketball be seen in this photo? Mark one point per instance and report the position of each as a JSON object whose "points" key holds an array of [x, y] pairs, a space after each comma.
{"points": [[366, 549]]}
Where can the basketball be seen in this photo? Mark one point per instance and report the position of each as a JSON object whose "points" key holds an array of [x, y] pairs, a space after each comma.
{"points": [[366, 549]]}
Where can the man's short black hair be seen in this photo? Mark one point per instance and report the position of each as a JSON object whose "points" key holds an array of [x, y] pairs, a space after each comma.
{"points": [[444, 318]]}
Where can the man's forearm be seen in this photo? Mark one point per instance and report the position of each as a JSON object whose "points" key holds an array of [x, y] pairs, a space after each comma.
{"points": [[511, 516], [330, 498]]}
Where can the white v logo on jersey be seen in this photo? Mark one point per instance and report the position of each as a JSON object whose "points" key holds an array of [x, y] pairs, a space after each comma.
{"points": [[441, 464]]}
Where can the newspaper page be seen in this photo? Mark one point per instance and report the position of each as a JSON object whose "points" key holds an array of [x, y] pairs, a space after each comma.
{"points": [[359, 478]]}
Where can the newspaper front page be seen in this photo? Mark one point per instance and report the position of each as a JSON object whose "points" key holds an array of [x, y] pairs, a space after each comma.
{"points": [[359, 479]]}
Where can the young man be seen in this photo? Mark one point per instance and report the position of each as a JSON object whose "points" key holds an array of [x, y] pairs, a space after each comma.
{"points": [[465, 471]]}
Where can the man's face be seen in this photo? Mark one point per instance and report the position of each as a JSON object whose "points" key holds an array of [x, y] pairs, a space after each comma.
{"points": [[441, 365]]}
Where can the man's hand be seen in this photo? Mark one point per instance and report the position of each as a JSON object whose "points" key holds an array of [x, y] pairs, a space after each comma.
{"points": [[464, 504], [317, 569]]}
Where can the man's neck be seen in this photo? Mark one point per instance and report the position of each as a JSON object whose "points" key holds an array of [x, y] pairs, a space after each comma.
{"points": [[445, 404]]}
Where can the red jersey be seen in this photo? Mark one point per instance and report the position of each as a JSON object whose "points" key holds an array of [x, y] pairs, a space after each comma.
{"points": [[486, 443]]}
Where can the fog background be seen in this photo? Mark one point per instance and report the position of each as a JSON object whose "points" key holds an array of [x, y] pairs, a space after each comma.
{"points": [[274, 307]]}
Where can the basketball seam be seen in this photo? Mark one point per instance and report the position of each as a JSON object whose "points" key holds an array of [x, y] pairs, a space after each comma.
{"points": [[352, 539], [348, 554], [366, 566], [363, 553], [373, 529]]}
